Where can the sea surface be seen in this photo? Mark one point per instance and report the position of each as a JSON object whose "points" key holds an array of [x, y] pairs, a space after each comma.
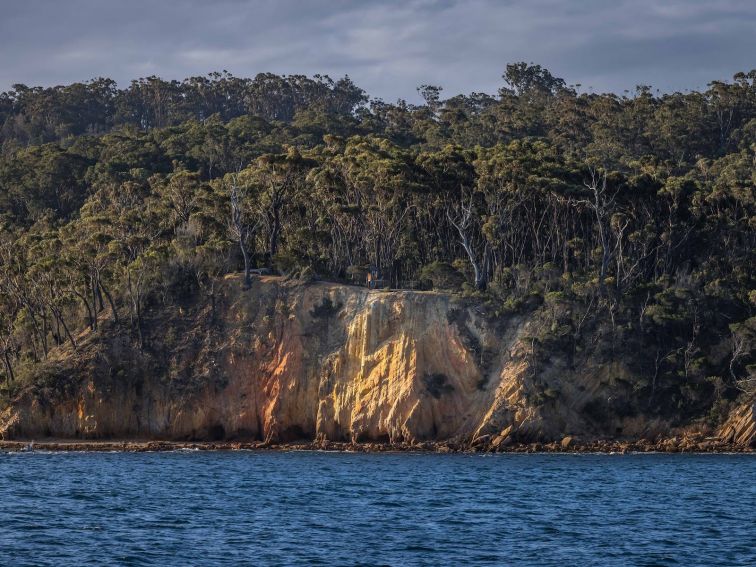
{"points": [[311, 508]]}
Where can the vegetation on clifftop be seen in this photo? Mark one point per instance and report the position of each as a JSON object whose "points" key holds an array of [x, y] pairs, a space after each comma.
{"points": [[629, 220]]}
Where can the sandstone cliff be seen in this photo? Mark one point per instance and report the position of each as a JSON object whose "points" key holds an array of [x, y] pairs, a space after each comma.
{"points": [[281, 361]]}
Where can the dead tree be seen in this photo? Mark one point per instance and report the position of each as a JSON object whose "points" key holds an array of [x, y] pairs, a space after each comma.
{"points": [[463, 221], [741, 347], [240, 226], [601, 204]]}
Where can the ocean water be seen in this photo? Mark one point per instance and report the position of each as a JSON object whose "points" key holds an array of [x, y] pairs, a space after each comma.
{"points": [[310, 508]]}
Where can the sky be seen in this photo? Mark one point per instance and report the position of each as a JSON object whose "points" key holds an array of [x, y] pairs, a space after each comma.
{"points": [[387, 47]]}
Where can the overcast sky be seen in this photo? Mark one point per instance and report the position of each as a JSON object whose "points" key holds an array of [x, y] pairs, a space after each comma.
{"points": [[388, 47]]}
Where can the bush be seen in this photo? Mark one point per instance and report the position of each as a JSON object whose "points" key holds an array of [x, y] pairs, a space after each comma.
{"points": [[442, 276], [357, 274], [285, 264]]}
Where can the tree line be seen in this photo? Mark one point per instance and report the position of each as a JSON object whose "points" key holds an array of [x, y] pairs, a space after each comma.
{"points": [[637, 210]]}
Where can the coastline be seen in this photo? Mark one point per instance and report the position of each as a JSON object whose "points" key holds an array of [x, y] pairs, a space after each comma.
{"points": [[671, 446]]}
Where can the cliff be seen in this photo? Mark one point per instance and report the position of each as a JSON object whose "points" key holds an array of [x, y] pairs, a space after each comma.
{"points": [[282, 361]]}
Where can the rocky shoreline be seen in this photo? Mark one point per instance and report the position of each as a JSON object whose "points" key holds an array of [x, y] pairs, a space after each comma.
{"points": [[566, 445], [294, 364]]}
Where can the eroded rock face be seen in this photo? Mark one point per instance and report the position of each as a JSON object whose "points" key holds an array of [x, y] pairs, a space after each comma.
{"points": [[280, 362], [740, 429]]}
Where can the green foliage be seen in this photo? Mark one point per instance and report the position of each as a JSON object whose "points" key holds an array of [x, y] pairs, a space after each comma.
{"points": [[442, 276], [628, 222]]}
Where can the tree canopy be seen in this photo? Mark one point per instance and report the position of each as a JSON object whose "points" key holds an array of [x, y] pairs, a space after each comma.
{"points": [[637, 209]]}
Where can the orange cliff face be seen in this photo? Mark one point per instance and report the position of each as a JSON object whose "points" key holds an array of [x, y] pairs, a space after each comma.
{"points": [[281, 362]]}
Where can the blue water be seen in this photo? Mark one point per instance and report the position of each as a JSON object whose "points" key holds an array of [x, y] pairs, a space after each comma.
{"points": [[377, 509]]}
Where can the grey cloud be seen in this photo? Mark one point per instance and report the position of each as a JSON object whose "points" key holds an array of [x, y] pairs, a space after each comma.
{"points": [[388, 47]]}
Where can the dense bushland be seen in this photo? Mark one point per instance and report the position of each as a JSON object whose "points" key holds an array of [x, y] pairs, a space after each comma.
{"points": [[630, 219]]}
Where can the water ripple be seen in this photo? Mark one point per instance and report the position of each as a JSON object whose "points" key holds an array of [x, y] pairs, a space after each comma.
{"points": [[196, 508]]}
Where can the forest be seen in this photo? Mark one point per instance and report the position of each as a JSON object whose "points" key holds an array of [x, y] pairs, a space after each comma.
{"points": [[635, 210]]}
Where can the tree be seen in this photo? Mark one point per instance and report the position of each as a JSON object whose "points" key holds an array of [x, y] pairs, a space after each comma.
{"points": [[242, 224], [524, 78], [640, 206], [280, 177]]}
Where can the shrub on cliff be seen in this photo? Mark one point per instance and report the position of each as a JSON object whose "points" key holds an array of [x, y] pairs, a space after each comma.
{"points": [[442, 276]]}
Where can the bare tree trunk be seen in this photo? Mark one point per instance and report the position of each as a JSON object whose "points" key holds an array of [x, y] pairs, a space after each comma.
{"points": [[81, 296], [94, 303], [59, 319], [136, 308], [241, 230], [275, 231], [37, 333], [462, 224], [68, 333], [247, 266], [111, 302], [10, 377]]}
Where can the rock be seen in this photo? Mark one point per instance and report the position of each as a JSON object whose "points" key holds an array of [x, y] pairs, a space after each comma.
{"points": [[740, 428], [501, 441], [320, 361], [481, 441], [671, 444], [706, 446]]}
